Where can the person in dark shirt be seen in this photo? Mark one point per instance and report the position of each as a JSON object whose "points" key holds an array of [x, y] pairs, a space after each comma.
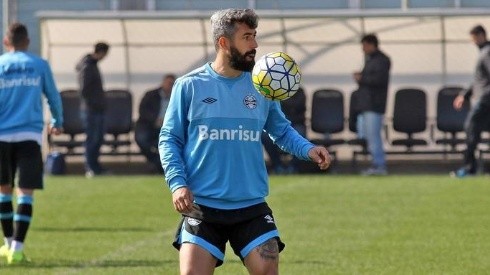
{"points": [[478, 118], [93, 107], [372, 94], [151, 113], [294, 108]]}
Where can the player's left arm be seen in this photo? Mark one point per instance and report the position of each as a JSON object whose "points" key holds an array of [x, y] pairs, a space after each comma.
{"points": [[173, 137], [54, 100]]}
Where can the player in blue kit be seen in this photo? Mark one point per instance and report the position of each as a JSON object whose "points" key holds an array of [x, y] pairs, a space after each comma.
{"points": [[24, 79], [211, 152]]}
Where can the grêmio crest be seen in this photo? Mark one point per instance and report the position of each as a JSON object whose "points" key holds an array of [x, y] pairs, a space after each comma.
{"points": [[250, 101]]}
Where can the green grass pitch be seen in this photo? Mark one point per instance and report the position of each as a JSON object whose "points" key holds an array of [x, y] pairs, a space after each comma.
{"points": [[330, 224]]}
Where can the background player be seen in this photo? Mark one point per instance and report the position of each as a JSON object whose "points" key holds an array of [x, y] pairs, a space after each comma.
{"points": [[24, 78]]}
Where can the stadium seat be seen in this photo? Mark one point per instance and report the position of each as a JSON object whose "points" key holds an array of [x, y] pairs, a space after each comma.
{"points": [[448, 120], [72, 124], [119, 119], [352, 122], [409, 117], [327, 117], [451, 122], [482, 151]]}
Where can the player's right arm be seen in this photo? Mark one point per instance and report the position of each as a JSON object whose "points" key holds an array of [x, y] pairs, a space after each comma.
{"points": [[172, 143], [459, 100], [182, 199]]}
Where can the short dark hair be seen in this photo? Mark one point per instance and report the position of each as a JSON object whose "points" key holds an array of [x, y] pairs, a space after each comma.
{"points": [[17, 34], [170, 75], [370, 39], [223, 22], [101, 47], [478, 29]]}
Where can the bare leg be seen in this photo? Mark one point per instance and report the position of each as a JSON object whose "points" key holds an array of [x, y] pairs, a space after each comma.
{"points": [[6, 189], [196, 260], [264, 259], [24, 191]]}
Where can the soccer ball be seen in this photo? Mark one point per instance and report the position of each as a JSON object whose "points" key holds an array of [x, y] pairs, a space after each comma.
{"points": [[276, 76]]}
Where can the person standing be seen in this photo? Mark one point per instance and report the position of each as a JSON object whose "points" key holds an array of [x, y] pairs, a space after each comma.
{"points": [[93, 107], [478, 118], [151, 113], [294, 108], [372, 92], [211, 151], [24, 79]]}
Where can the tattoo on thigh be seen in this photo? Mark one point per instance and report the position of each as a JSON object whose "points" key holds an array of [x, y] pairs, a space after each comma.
{"points": [[269, 250]]}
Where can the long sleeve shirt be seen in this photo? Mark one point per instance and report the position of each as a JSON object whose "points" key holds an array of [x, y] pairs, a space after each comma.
{"points": [[480, 88], [24, 79], [210, 140]]}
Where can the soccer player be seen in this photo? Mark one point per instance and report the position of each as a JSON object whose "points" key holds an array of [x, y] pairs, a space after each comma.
{"points": [[211, 152], [478, 118], [24, 78]]}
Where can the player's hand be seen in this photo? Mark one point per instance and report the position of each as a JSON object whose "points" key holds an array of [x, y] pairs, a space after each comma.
{"points": [[55, 130], [182, 199], [458, 102], [320, 156], [357, 76]]}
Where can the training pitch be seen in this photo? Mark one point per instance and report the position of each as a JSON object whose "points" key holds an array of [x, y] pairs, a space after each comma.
{"points": [[330, 224]]}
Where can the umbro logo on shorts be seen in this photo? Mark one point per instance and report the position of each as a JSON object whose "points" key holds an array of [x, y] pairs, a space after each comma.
{"points": [[209, 100], [193, 222], [269, 218]]}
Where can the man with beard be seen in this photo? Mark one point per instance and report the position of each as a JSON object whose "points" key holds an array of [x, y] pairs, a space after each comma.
{"points": [[211, 152]]}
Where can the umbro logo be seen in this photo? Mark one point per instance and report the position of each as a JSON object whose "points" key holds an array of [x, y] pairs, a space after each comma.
{"points": [[269, 218], [193, 222], [209, 100]]}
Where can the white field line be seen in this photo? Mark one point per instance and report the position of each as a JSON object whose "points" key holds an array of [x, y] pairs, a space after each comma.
{"points": [[126, 249]]}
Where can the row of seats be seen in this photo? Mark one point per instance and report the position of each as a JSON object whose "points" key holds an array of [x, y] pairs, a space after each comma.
{"points": [[119, 123], [327, 119], [409, 118]]}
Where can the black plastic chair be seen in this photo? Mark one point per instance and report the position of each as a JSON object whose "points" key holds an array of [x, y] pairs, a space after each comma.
{"points": [[450, 121], [119, 118], [327, 116], [352, 122], [72, 123], [410, 117]]}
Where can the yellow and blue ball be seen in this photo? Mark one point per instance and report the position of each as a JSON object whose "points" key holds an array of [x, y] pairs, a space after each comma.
{"points": [[276, 76]]}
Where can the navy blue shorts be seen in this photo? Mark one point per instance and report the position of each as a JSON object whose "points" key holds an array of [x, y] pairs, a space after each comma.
{"points": [[212, 228], [24, 156]]}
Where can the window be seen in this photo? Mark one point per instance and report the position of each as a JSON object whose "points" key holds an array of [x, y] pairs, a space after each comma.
{"points": [[381, 4], [475, 3], [131, 5], [431, 3]]}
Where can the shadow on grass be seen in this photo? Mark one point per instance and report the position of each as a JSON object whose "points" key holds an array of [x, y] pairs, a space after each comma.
{"points": [[78, 265], [93, 229]]}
